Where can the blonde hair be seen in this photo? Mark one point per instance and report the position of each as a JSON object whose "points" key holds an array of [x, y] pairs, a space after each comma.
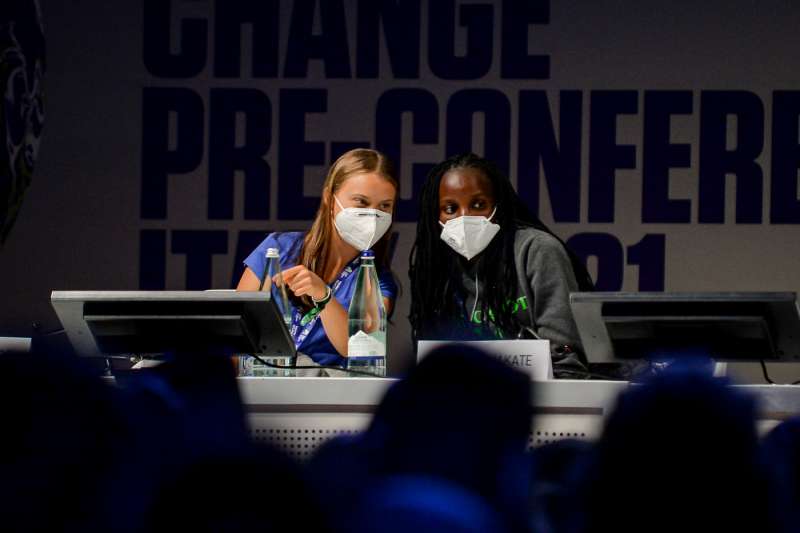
{"points": [[316, 249]]}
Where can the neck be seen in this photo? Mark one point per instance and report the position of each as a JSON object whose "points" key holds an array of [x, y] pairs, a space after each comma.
{"points": [[341, 254]]}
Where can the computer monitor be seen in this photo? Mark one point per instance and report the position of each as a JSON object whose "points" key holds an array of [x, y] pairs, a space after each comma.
{"points": [[106, 323], [738, 326]]}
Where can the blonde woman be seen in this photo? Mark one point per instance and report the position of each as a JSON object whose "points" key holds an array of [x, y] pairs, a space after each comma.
{"points": [[320, 266]]}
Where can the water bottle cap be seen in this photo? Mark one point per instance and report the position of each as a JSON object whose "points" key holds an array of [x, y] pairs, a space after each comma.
{"points": [[367, 254], [273, 252]]}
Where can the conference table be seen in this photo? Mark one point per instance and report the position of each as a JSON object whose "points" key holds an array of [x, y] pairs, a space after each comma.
{"points": [[297, 414]]}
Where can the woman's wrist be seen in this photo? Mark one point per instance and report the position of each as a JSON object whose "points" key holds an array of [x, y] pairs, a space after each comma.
{"points": [[320, 303]]}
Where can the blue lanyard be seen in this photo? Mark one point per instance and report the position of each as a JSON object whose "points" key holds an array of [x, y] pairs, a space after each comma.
{"points": [[299, 335]]}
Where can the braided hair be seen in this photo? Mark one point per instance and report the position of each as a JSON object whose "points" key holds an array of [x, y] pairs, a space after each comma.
{"points": [[437, 302]]}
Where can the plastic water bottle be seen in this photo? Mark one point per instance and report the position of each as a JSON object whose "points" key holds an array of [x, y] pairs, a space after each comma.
{"points": [[274, 286], [366, 321]]}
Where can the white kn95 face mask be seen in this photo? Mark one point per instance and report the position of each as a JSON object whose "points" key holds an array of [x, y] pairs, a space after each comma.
{"points": [[469, 235], [361, 227]]}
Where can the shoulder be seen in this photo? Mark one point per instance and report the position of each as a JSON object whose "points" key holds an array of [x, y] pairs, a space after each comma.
{"points": [[288, 244], [288, 241], [527, 237], [544, 261], [536, 248]]}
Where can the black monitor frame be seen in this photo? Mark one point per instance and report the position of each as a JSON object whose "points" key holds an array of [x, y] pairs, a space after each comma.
{"points": [[108, 323], [735, 326]]}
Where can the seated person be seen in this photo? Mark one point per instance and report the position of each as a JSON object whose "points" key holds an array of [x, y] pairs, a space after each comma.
{"points": [[483, 267], [320, 266]]}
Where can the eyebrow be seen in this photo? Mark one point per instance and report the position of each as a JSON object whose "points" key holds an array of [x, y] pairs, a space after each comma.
{"points": [[365, 197]]}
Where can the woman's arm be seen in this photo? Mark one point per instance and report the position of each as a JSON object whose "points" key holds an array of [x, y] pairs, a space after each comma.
{"points": [[334, 321], [551, 280], [301, 281], [249, 281]]}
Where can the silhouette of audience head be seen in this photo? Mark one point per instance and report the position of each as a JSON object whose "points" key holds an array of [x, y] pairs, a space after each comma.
{"points": [[679, 451], [169, 451], [460, 416], [555, 474], [250, 491], [399, 504], [64, 433]]}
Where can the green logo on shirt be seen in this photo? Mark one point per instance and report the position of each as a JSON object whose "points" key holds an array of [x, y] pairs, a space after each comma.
{"points": [[515, 306]]}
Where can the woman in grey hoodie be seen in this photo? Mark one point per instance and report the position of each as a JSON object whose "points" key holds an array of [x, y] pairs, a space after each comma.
{"points": [[483, 266]]}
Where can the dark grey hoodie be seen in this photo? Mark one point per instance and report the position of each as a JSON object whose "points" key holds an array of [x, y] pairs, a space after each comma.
{"points": [[545, 279]]}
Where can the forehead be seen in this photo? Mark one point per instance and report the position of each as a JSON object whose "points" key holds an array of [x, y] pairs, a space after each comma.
{"points": [[367, 184], [465, 181]]}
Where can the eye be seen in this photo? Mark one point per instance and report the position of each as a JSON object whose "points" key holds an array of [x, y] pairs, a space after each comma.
{"points": [[386, 206], [360, 201], [449, 209], [478, 204]]}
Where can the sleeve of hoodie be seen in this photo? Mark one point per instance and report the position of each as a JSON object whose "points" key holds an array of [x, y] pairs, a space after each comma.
{"points": [[549, 275]]}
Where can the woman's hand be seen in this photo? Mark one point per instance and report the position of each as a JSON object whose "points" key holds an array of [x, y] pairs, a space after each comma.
{"points": [[301, 281]]}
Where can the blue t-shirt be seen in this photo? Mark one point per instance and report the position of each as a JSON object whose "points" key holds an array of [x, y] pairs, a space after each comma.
{"points": [[316, 343]]}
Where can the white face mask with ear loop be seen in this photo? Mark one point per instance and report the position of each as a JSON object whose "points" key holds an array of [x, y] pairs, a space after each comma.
{"points": [[361, 227], [469, 235]]}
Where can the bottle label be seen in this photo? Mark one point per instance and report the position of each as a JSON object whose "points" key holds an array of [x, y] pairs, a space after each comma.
{"points": [[363, 345]]}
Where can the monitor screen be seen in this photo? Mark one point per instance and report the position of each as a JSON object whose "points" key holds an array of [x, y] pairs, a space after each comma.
{"points": [[153, 322], [620, 326]]}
